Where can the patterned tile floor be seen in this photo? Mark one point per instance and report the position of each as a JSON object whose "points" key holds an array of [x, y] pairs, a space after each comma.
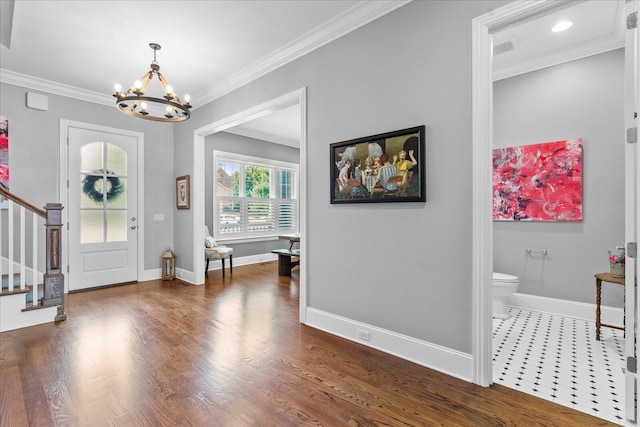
{"points": [[558, 358]]}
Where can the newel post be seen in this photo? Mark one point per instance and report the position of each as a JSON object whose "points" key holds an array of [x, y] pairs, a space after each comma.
{"points": [[54, 278]]}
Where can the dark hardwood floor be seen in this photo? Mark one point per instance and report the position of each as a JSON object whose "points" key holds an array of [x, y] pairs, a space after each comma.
{"points": [[230, 353]]}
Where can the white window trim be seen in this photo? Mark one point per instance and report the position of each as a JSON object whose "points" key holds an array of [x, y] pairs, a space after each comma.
{"points": [[255, 161]]}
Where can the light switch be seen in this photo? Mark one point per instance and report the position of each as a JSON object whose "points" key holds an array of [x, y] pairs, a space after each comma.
{"points": [[158, 217]]}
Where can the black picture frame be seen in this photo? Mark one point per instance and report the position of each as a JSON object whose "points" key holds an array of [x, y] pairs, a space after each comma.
{"points": [[404, 181]]}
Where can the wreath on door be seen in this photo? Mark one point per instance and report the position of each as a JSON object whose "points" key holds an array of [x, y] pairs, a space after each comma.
{"points": [[113, 185]]}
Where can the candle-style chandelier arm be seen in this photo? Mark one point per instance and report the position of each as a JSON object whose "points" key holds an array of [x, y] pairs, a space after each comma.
{"points": [[145, 81], [170, 94]]}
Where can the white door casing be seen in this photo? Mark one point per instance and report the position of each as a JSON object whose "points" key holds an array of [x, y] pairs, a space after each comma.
{"points": [[482, 253], [632, 206], [113, 253], [482, 220], [298, 96]]}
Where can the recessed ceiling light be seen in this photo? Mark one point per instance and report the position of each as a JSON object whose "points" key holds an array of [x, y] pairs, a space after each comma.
{"points": [[561, 26]]}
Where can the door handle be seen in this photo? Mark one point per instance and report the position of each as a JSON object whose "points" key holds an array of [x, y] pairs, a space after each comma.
{"points": [[133, 227]]}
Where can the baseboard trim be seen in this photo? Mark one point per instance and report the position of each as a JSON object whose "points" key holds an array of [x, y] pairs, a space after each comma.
{"points": [[153, 274], [156, 274], [189, 276], [13, 317], [577, 310], [442, 359], [448, 361]]}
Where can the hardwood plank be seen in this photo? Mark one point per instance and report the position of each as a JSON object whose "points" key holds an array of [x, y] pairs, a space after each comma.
{"points": [[231, 353], [13, 411]]}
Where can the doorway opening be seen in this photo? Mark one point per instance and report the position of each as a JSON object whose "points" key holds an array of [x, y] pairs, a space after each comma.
{"points": [[102, 174], [485, 31], [297, 97]]}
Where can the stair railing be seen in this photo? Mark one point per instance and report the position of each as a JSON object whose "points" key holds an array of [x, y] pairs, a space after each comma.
{"points": [[53, 292]]}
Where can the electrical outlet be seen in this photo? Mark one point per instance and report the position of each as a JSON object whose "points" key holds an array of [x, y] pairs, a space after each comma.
{"points": [[364, 335]]}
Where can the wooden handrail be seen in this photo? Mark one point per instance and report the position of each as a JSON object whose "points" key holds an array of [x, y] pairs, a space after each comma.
{"points": [[9, 195], [53, 278]]}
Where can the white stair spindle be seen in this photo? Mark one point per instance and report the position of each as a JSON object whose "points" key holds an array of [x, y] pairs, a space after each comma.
{"points": [[34, 257], [10, 260], [23, 238]]}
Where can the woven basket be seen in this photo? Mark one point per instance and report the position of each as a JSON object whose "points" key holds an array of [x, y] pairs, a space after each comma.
{"points": [[617, 269]]}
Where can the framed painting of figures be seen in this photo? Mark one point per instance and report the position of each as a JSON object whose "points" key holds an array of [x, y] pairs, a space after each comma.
{"points": [[383, 168]]}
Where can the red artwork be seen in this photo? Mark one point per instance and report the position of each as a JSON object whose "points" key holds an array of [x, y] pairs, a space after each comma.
{"points": [[539, 182]]}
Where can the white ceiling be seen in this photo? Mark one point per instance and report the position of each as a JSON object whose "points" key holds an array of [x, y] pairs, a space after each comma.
{"points": [[281, 127], [209, 48], [598, 26], [205, 44]]}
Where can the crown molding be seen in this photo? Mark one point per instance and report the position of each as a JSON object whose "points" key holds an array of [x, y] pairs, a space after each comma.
{"points": [[524, 9], [55, 88], [360, 14], [560, 57], [263, 136]]}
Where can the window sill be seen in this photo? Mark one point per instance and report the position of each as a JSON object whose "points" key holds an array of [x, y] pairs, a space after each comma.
{"points": [[231, 240]]}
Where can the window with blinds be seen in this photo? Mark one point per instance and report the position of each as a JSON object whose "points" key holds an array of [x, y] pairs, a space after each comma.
{"points": [[253, 197]]}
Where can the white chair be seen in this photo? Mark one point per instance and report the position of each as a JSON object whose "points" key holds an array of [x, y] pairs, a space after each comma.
{"points": [[214, 251]]}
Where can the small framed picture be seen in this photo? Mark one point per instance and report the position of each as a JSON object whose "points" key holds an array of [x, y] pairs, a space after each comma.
{"points": [[384, 168], [182, 192]]}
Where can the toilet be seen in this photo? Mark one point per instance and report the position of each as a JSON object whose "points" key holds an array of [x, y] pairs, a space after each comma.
{"points": [[503, 286]]}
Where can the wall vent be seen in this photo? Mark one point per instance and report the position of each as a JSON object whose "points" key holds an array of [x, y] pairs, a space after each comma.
{"points": [[502, 47]]}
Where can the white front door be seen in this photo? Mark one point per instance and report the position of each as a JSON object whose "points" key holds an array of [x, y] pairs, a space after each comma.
{"points": [[102, 200], [632, 204]]}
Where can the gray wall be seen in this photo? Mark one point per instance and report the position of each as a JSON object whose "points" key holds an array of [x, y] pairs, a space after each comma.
{"points": [[34, 151], [231, 143], [402, 267], [582, 98]]}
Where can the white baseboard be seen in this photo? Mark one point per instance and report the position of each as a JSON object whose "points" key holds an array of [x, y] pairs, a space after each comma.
{"points": [[156, 274], [240, 261], [12, 317], [442, 359], [246, 260], [433, 356], [189, 276], [577, 310], [153, 274], [186, 275]]}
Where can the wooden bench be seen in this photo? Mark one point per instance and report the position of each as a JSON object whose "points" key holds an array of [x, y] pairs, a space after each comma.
{"points": [[285, 261]]}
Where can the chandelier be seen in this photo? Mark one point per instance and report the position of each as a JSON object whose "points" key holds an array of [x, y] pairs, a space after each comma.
{"points": [[168, 108]]}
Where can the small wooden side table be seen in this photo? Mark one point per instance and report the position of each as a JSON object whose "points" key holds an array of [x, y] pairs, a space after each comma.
{"points": [[292, 238], [604, 277]]}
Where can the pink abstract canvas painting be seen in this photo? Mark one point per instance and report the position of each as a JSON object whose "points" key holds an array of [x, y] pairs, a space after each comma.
{"points": [[538, 182]]}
